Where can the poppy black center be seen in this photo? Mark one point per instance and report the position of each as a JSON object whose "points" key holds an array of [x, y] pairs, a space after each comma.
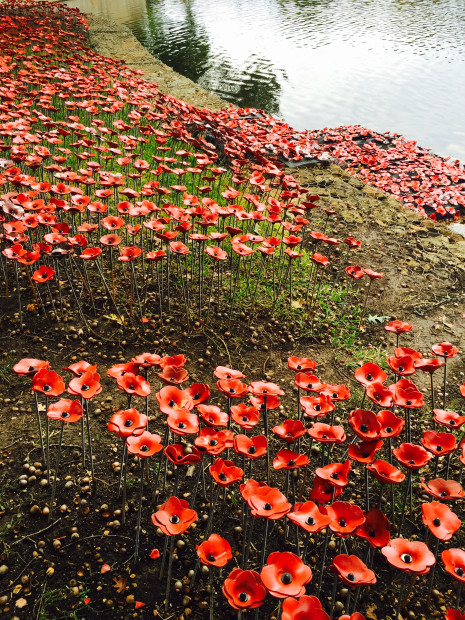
{"points": [[222, 476], [267, 506], [436, 522], [324, 437], [179, 457], [405, 557], [335, 395], [252, 450], [459, 571], [310, 385], [286, 578], [196, 396], [85, 387], [310, 521], [350, 577], [372, 533], [144, 448], [228, 376], [181, 425], [401, 369], [409, 402], [365, 455], [342, 522], [291, 463], [211, 557], [377, 397], [212, 442], [171, 403], [438, 448], [65, 414], [412, 462], [317, 407], [388, 429], [243, 597], [130, 387], [335, 476], [31, 368], [443, 493], [245, 419], [47, 388], [289, 434], [298, 366], [174, 519], [369, 377], [363, 428], [452, 422], [232, 390], [128, 423]]}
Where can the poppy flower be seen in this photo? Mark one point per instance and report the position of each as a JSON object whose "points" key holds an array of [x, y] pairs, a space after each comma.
{"points": [[303, 608], [370, 373], [380, 395], [411, 456], [354, 272], [345, 518], [443, 490], [244, 589], [272, 402], [406, 395], [263, 389], [439, 443], [403, 366], [119, 370], [199, 392], [43, 274], [286, 459], [174, 517], [144, 445], [300, 364], [285, 575], [212, 415], [444, 349], [251, 447], [386, 473], [181, 422], [86, 385], [316, 406], [133, 384], [309, 517], [289, 430], [352, 571], [181, 454], [146, 360], [28, 366], [171, 398], [47, 382], [391, 425], [365, 424], [308, 382], [335, 473], [173, 375], [172, 360], [403, 351], [323, 492], [65, 410], [225, 473], [211, 441], [454, 563], [441, 521], [454, 614], [337, 393], [409, 556], [365, 451], [267, 502], [79, 368], [232, 388], [428, 365], [128, 253], [215, 551], [398, 327], [375, 529], [222, 372], [451, 419], [126, 421], [325, 433]]}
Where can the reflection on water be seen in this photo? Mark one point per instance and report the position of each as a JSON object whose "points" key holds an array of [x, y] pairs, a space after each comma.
{"points": [[394, 65]]}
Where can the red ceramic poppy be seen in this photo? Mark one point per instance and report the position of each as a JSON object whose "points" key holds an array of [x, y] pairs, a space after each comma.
{"points": [[251, 447], [182, 454], [454, 614], [215, 551], [365, 451], [65, 410], [199, 392], [324, 433], [391, 425], [345, 518], [263, 389], [272, 402], [337, 393], [173, 375], [225, 473], [406, 395], [451, 419], [250, 487], [171, 398], [232, 388], [443, 490], [126, 422], [322, 492], [222, 372], [398, 327], [144, 445], [286, 459], [335, 473], [380, 395], [285, 575], [454, 563], [43, 274], [370, 373], [133, 384], [245, 415], [355, 616], [128, 253], [403, 366], [439, 443], [316, 406], [79, 368], [352, 571], [304, 608], [411, 456], [309, 517], [118, 370], [365, 424], [86, 385], [289, 430], [146, 360], [441, 521], [409, 556], [428, 365], [444, 349], [181, 422], [376, 529], [173, 360], [386, 473], [212, 415], [402, 351], [244, 589], [300, 364], [47, 382], [174, 517], [267, 502], [308, 382], [28, 367], [211, 441]]}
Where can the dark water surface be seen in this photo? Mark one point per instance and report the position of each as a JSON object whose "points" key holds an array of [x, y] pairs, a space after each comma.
{"points": [[390, 65]]}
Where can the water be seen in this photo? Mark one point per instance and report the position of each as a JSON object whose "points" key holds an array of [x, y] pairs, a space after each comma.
{"points": [[390, 65]]}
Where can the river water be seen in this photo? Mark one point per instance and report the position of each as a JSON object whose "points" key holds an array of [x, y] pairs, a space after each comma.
{"points": [[389, 65]]}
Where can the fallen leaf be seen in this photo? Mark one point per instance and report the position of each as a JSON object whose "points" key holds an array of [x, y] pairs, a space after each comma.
{"points": [[105, 568], [20, 603], [296, 304], [120, 584]]}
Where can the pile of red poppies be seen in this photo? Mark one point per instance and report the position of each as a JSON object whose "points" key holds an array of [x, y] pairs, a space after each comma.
{"points": [[305, 533]]}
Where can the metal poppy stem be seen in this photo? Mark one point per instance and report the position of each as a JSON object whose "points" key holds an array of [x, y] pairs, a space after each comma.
{"points": [[160, 464], [265, 422], [367, 489], [432, 571], [459, 595], [346, 297], [137, 289], [19, 296], [401, 596], [265, 537], [233, 294], [168, 579], [432, 393], [89, 443], [112, 296], [57, 463], [197, 482], [47, 440], [252, 301], [211, 291], [404, 501], [39, 424], [124, 470], [75, 297], [139, 510], [444, 387], [212, 594], [325, 549], [333, 592]]}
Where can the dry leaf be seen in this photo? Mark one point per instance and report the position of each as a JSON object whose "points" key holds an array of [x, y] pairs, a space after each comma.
{"points": [[120, 584], [370, 612]]}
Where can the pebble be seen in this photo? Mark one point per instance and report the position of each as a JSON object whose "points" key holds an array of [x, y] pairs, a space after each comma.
{"points": [[3, 569]]}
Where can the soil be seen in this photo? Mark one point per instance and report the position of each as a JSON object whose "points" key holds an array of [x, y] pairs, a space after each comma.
{"points": [[50, 570]]}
